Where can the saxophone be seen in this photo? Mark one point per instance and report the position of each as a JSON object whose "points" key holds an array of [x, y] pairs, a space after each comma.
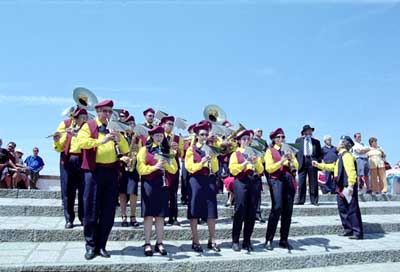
{"points": [[133, 149]]}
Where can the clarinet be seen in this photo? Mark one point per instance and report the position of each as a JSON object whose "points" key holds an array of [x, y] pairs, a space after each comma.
{"points": [[165, 184]]}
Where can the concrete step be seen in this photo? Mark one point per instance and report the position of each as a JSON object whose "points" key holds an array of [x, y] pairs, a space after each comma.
{"points": [[308, 252], [222, 198], [387, 267], [52, 207], [48, 229]]}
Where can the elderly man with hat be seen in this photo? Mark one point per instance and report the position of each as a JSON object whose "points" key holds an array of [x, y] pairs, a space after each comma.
{"points": [[175, 142], [246, 169], [101, 150], [281, 184], [346, 183], [309, 150], [149, 116], [71, 174]]}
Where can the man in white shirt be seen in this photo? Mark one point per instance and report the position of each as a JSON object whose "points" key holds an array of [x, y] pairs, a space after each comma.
{"points": [[359, 151]]}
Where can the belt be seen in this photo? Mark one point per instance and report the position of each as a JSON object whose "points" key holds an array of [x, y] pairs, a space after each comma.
{"points": [[107, 165]]}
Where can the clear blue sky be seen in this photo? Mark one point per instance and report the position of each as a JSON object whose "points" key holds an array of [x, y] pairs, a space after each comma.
{"points": [[332, 64]]}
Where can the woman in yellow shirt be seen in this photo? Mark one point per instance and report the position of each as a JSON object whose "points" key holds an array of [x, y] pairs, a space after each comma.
{"points": [[281, 186], [246, 168], [202, 195], [152, 166]]}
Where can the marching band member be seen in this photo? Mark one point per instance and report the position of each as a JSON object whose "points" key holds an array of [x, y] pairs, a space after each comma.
{"points": [[281, 187], [152, 167], [245, 169], [149, 116], [185, 173], [176, 144], [71, 174], [346, 178], [101, 149], [202, 194], [129, 181]]}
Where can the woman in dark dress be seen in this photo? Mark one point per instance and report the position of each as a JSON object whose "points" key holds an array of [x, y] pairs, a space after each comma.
{"points": [[202, 195], [152, 166]]}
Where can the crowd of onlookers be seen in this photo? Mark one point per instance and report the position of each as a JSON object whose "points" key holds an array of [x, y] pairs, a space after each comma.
{"points": [[15, 172], [374, 173]]}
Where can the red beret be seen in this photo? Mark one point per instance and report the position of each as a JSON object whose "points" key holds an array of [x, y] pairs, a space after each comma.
{"points": [[201, 126], [207, 123], [252, 132], [243, 133], [276, 132], [191, 127], [123, 113], [79, 112], [155, 130], [166, 119], [105, 103], [130, 119], [149, 110]]}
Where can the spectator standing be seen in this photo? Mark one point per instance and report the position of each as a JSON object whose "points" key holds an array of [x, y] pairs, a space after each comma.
{"points": [[376, 161]]}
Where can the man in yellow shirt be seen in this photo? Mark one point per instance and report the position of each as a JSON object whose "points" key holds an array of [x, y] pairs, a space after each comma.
{"points": [[100, 164], [71, 174], [345, 175], [149, 116]]}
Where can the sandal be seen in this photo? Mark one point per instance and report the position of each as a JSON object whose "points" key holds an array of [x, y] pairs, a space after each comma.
{"points": [[197, 247], [148, 251], [124, 223], [161, 250], [134, 223]]}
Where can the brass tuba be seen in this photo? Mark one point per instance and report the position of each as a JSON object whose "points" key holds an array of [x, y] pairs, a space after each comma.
{"points": [[84, 98]]}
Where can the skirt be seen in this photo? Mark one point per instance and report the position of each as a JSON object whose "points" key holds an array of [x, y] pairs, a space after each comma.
{"points": [[154, 198], [129, 183], [202, 197]]}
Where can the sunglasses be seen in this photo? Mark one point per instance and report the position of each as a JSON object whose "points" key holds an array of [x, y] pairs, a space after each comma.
{"points": [[106, 111], [280, 137]]}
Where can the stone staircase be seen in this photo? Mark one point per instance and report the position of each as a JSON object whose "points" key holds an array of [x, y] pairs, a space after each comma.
{"points": [[33, 238]]}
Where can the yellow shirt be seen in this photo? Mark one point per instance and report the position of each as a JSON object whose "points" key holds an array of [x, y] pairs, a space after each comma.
{"points": [[60, 145], [193, 167], [236, 168], [145, 169], [349, 167], [271, 166], [180, 144], [105, 153]]}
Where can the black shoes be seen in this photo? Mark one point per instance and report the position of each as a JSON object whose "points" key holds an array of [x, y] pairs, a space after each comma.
{"points": [[160, 249], [69, 225], [268, 245], [285, 244], [356, 237], [148, 251], [213, 246], [104, 253], [133, 222], [90, 254], [346, 234], [124, 222], [249, 247], [260, 220], [236, 247], [197, 248]]}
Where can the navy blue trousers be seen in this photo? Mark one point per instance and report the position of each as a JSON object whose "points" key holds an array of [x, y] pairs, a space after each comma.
{"points": [[258, 192], [173, 197], [350, 213], [99, 206], [72, 180], [282, 197], [246, 191], [184, 183]]}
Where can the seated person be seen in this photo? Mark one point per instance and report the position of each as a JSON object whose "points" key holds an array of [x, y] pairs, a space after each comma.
{"points": [[20, 177]]}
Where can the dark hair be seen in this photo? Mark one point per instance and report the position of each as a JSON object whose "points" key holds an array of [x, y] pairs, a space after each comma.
{"points": [[13, 144], [357, 133], [165, 148], [372, 139]]}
